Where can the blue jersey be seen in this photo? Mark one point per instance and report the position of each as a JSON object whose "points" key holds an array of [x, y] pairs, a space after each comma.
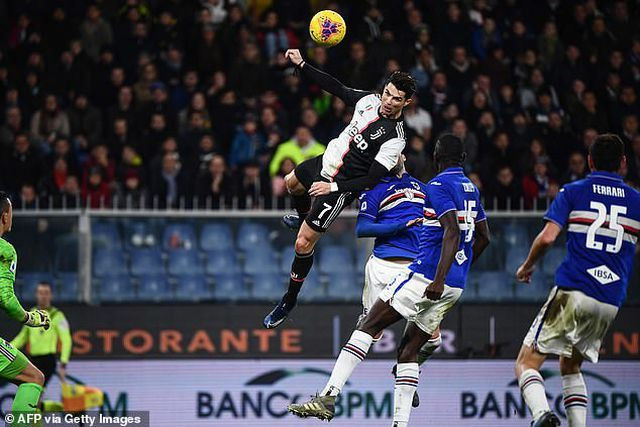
{"points": [[395, 201], [449, 191], [603, 217]]}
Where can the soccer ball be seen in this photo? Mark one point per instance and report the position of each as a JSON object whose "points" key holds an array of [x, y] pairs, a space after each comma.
{"points": [[327, 28]]}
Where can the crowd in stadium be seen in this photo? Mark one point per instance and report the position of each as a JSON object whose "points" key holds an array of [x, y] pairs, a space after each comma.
{"points": [[176, 103]]}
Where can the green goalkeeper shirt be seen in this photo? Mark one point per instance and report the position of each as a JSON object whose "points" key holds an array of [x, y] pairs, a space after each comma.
{"points": [[41, 342], [8, 264]]}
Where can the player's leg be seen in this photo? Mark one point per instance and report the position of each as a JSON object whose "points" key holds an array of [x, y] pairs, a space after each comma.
{"points": [[531, 382], [46, 364], [574, 390], [298, 183], [407, 372], [16, 368]]}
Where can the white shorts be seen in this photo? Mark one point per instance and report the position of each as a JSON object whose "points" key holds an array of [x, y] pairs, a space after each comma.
{"points": [[405, 295], [570, 319], [378, 273]]}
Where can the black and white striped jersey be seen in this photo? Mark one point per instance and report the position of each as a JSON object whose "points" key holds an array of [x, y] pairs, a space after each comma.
{"points": [[368, 137]]}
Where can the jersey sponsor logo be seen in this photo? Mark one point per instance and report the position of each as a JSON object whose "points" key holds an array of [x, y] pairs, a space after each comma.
{"points": [[316, 222], [435, 183], [415, 185], [408, 194], [468, 187], [377, 134], [603, 274], [12, 267], [461, 257]]}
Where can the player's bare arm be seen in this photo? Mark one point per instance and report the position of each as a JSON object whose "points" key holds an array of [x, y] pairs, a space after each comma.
{"points": [[450, 243], [542, 242]]}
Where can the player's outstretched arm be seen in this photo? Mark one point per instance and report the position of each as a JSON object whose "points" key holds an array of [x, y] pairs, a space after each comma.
{"points": [[450, 244], [542, 242], [368, 227], [376, 172], [9, 302], [481, 239], [325, 81]]}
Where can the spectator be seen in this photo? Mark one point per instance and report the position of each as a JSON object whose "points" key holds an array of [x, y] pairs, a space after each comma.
{"points": [[577, 168], [249, 76], [28, 197], [298, 149], [120, 136], [11, 127], [460, 72], [85, 123], [459, 128], [23, 165], [538, 184], [62, 150], [485, 38], [499, 154], [254, 188], [208, 52], [418, 119], [96, 193], [214, 184], [198, 104], [101, 162], [142, 88], [417, 163], [169, 184], [589, 115], [95, 31], [633, 163], [504, 193], [247, 143], [278, 185], [48, 123]]}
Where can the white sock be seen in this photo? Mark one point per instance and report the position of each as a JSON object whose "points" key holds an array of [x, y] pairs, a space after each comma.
{"points": [[532, 389], [427, 350], [406, 384], [574, 392], [353, 352]]}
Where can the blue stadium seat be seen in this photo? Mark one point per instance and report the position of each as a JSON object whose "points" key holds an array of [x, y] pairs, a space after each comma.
{"points": [[286, 258], [140, 234], [146, 261], [490, 286], [67, 290], [105, 235], [514, 257], [552, 260], [108, 262], [267, 287], [192, 288], [515, 235], [536, 291], [363, 252], [260, 261], [492, 259], [344, 287], [179, 236], [29, 283], [230, 287], [252, 235], [66, 253], [221, 262], [184, 263], [216, 236], [154, 288], [313, 289], [116, 288], [335, 259]]}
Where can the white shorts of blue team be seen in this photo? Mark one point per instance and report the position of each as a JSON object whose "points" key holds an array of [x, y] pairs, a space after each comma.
{"points": [[570, 319], [405, 295], [378, 273]]}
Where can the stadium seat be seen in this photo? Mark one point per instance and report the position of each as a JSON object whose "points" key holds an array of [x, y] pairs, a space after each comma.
{"points": [[515, 235], [116, 288], [108, 262], [363, 252], [267, 287], [536, 291], [344, 287], [492, 258], [552, 260], [286, 258], [146, 261], [216, 236], [184, 262], [490, 286], [105, 235], [155, 288], [192, 288], [140, 234], [29, 282], [260, 261], [179, 236], [220, 262], [514, 257], [67, 289], [252, 235], [335, 259], [230, 287], [313, 289], [66, 253]]}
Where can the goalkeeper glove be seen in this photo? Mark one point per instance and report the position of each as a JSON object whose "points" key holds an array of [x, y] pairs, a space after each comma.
{"points": [[37, 318]]}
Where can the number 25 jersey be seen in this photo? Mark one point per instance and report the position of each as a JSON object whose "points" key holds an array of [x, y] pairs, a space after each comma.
{"points": [[603, 217]]}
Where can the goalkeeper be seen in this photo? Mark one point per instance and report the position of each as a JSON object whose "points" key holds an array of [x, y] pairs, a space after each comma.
{"points": [[14, 365]]}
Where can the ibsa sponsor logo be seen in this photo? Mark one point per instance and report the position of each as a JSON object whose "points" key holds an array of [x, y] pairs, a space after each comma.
{"points": [[267, 395], [606, 400]]}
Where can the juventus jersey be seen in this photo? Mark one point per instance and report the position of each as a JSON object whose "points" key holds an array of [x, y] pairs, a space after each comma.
{"points": [[368, 137]]}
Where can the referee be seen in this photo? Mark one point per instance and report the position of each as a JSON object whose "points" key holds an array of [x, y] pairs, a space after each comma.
{"points": [[42, 346]]}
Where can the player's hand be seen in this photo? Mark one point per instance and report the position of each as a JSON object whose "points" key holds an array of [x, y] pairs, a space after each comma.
{"points": [[434, 291], [62, 373], [320, 188], [294, 56], [37, 319], [523, 274], [415, 221]]}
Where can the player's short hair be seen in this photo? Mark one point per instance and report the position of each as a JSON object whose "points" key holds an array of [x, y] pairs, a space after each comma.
{"points": [[450, 149], [46, 284], [607, 152], [5, 202], [402, 81]]}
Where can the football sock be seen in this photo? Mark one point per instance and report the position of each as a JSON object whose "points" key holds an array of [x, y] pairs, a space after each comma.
{"points": [[353, 352], [574, 392], [532, 389], [27, 397], [427, 350], [406, 384], [302, 205], [299, 270]]}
